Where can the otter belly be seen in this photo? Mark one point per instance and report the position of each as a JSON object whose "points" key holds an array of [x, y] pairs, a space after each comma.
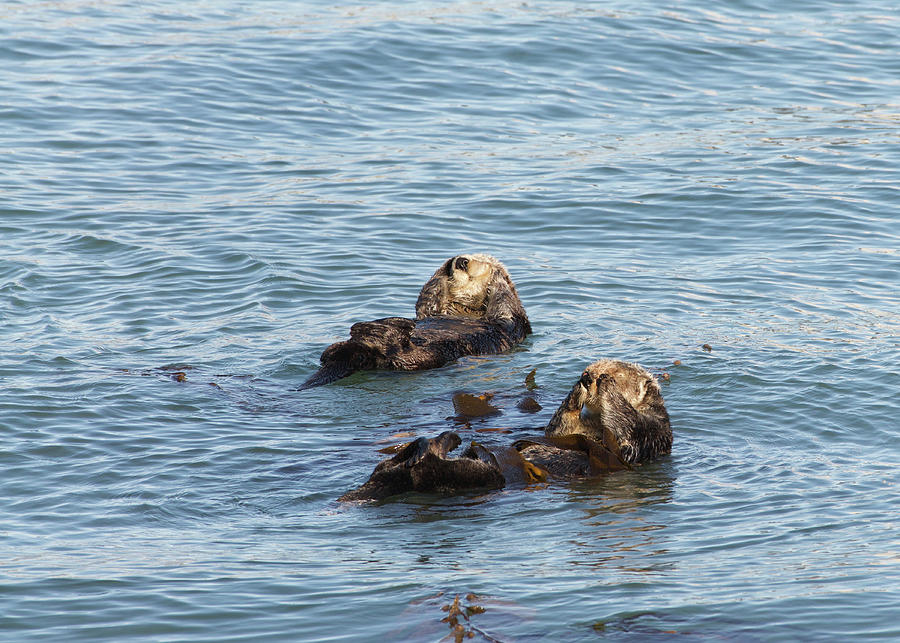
{"points": [[400, 344]]}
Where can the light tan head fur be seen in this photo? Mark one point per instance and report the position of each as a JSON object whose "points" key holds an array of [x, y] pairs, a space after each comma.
{"points": [[471, 285], [632, 382], [621, 405], [470, 276]]}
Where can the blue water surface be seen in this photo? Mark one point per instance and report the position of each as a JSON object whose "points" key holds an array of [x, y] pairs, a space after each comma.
{"points": [[196, 198]]}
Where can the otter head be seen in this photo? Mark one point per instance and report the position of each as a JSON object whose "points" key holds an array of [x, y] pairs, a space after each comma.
{"points": [[630, 380], [470, 285], [468, 279], [622, 406]]}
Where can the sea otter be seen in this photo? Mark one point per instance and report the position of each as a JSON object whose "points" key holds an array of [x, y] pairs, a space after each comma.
{"points": [[469, 307], [620, 405], [613, 419]]}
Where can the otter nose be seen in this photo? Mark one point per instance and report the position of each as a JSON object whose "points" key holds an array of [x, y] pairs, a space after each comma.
{"points": [[585, 380], [461, 263]]}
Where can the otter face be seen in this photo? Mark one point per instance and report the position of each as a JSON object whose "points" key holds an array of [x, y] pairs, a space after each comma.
{"points": [[612, 392], [468, 279], [630, 380], [473, 285]]}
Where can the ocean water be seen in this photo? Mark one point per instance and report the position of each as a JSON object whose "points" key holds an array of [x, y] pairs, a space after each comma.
{"points": [[220, 188]]}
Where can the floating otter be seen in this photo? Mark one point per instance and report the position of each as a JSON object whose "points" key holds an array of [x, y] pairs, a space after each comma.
{"points": [[612, 419], [619, 405], [468, 307]]}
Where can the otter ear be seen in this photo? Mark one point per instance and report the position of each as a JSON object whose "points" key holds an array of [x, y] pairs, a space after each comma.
{"points": [[434, 293]]}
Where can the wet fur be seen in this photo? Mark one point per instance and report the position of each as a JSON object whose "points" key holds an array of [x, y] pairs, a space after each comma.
{"points": [[469, 307], [620, 405], [423, 466], [614, 417]]}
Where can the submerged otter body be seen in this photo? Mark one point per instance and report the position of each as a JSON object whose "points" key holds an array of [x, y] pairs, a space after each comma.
{"points": [[469, 307], [612, 419]]}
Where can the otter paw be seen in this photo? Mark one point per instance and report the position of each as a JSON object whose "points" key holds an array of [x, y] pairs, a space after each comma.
{"points": [[577, 397]]}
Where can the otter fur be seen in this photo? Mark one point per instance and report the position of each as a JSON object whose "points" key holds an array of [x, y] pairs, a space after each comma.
{"points": [[423, 466], [620, 405], [613, 419], [469, 307]]}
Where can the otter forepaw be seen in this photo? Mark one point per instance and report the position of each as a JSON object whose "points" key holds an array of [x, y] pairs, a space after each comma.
{"points": [[605, 382], [577, 397]]}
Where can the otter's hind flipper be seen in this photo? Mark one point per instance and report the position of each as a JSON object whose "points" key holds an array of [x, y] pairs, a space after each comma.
{"points": [[423, 465], [331, 372]]}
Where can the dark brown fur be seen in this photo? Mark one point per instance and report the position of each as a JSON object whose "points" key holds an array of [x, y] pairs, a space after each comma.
{"points": [[613, 417], [423, 466], [469, 307], [571, 456]]}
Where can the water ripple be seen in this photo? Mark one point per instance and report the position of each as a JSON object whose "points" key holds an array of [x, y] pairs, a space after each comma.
{"points": [[197, 199]]}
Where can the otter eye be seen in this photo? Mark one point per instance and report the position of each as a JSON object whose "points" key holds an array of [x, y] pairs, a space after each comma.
{"points": [[461, 263]]}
